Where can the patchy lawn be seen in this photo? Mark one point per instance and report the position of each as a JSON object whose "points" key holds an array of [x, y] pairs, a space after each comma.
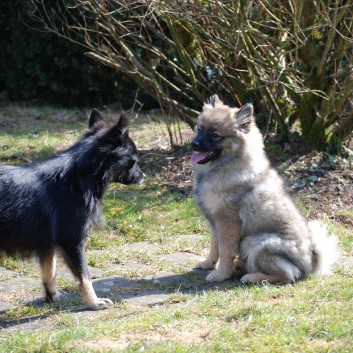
{"points": [[152, 237]]}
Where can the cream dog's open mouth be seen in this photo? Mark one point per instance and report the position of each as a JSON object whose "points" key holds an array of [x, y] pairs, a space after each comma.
{"points": [[204, 157]]}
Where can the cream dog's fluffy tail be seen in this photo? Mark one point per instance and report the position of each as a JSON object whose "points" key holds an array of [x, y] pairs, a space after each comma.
{"points": [[326, 246]]}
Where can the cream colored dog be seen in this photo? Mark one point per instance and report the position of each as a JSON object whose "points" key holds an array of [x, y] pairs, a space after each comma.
{"points": [[254, 221]]}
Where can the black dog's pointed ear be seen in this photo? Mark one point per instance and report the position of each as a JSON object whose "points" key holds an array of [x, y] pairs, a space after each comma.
{"points": [[245, 116], [94, 118], [120, 130], [123, 124]]}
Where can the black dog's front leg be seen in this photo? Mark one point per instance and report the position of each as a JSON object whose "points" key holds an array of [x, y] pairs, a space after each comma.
{"points": [[75, 258]]}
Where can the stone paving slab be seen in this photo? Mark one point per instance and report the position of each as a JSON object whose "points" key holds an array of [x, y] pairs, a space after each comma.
{"points": [[129, 267], [6, 306], [111, 284], [6, 274], [149, 297], [27, 323], [168, 278], [64, 272], [181, 257], [18, 283], [142, 246], [200, 272]]}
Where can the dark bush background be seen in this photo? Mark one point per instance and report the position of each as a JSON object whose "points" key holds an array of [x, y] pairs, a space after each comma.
{"points": [[40, 66]]}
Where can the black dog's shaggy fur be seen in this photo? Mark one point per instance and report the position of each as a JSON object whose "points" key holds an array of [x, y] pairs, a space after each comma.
{"points": [[50, 205]]}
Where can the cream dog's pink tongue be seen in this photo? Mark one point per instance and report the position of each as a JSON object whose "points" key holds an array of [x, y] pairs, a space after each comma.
{"points": [[198, 156]]}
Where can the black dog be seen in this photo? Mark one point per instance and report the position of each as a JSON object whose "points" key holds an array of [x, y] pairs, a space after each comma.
{"points": [[50, 205]]}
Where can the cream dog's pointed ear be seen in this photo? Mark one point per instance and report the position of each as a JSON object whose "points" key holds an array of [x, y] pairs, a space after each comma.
{"points": [[245, 117], [213, 102]]}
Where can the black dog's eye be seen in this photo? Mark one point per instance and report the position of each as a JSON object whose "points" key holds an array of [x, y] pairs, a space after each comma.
{"points": [[131, 162]]}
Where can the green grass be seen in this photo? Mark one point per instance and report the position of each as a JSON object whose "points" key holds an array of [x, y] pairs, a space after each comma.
{"points": [[313, 315], [345, 236], [150, 212], [28, 134]]}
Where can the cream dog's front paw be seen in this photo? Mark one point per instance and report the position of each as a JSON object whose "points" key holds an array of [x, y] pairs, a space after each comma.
{"points": [[206, 264], [219, 275]]}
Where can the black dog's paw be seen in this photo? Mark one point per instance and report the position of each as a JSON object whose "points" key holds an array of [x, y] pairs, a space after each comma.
{"points": [[52, 297], [100, 304]]}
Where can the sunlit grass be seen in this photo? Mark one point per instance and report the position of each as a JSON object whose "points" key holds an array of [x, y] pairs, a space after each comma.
{"points": [[150, 212]]}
